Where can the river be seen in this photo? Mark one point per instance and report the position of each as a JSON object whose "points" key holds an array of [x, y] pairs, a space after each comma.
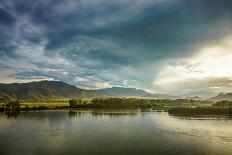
{"points": [[108, 132]]}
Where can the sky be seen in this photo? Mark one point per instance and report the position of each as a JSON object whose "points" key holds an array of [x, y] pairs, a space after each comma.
{"points": [[162, 46]]}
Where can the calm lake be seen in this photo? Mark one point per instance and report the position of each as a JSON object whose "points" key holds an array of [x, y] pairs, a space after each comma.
{"points": [[112, 132]]}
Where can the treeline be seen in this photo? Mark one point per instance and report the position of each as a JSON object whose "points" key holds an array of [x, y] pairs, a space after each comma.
{"points": [[133, 103], [77, 103], [11, 105], [116, 103]]}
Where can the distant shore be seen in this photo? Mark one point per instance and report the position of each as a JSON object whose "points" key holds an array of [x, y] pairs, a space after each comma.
{"points": [[173, 107], [200, 110]]}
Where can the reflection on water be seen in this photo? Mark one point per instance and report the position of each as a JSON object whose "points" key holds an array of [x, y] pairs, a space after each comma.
{"points": [[113, 132], [203, 117], [113, 114], [103, 113], [11, 113], [74, 113]]}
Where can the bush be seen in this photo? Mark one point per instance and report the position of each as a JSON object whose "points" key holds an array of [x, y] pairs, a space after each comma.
{"points": [[12, 105], [77, 103]]}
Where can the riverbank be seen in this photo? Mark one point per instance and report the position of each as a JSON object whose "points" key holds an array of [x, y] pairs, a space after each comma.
{"points": [[174, 107]]}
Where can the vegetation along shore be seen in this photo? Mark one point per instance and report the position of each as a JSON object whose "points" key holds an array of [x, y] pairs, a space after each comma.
{"points": [[174, 107]]}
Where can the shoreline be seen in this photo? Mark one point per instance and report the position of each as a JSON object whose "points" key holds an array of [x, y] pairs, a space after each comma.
{"points": [[175, 111]]}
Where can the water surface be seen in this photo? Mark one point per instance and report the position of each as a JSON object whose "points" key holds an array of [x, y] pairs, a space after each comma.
{"points": [[112, 132]]}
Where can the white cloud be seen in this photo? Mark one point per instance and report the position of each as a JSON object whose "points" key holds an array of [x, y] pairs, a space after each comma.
{"points": [[209, 68], [90, 82], [101, 85], [80, 79], [32, 79]]}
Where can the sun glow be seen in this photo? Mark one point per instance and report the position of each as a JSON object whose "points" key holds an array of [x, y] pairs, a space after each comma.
{"points": [[210, 62]]}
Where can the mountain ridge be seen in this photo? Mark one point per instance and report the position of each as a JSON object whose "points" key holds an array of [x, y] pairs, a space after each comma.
{"points": [[55, 90], [48, 90]]}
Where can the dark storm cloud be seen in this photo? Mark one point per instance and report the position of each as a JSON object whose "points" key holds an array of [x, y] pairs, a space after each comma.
{"points": [[6, 18], [174, 28], [6, 27], [177, 30], [158, 29], [100, 37]]}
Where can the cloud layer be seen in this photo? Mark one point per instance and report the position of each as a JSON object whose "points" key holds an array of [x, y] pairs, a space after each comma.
{"points": [[104, 43]]}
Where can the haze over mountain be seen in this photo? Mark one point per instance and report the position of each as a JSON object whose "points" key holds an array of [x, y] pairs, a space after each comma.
{"points": [[222, 97], [48, 90], [194, 98], [165, 96]]}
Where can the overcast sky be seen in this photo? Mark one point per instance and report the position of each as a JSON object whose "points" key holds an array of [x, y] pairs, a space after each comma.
{"points": [[163, 46]]}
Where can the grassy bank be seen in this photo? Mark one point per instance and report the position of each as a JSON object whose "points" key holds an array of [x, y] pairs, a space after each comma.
{"points": [[35, 105]]}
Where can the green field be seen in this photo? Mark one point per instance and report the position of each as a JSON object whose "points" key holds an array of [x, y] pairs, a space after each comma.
{"points": [[45, 104], [30, 105]]}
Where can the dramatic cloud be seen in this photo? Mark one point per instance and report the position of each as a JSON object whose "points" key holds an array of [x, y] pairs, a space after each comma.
{"points": [[207, 70], [162, 46]]}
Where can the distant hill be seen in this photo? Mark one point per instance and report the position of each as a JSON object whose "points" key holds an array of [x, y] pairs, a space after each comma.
{"points": [[43, 90], [194, 98], [201, 94], [49, 90], [55, 90], [221, 97]]}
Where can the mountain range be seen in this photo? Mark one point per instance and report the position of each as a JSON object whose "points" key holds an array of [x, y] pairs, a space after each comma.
{"points": [[56, 90], [50, 90]]}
